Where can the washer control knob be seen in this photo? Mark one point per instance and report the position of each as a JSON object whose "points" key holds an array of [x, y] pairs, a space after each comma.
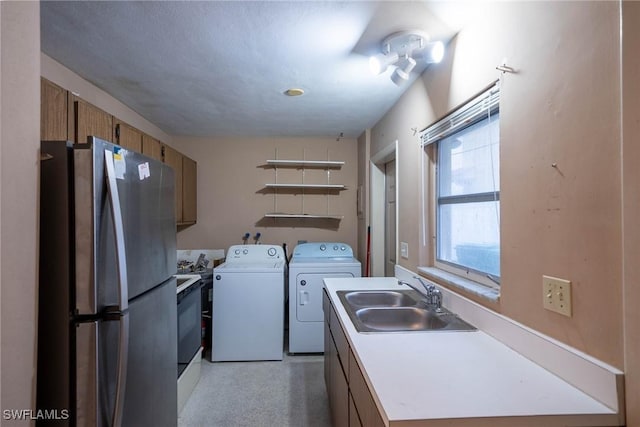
{"points": [[245, 251], [271, 251], [237, 251], [303, 283], [323, 247]]}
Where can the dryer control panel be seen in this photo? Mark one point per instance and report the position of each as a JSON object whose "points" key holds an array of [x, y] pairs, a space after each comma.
{"points": [[251, 253], [323, 250]]}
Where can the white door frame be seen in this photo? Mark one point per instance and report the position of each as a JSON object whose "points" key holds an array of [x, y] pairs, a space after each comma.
{"points": [[377, 205]]}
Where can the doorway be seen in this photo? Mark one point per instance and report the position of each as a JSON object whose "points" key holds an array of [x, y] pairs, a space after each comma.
{"points": [[384, 208], [390, 218]]}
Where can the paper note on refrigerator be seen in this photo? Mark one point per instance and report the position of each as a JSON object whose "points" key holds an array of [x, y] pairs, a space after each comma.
{"points": [[143, 170]]}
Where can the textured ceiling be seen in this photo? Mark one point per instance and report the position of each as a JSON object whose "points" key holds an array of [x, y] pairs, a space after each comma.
{"points": [[220, 68]]}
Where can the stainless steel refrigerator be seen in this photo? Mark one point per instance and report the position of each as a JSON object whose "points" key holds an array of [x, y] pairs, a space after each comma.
{"points": [[107, 351]]}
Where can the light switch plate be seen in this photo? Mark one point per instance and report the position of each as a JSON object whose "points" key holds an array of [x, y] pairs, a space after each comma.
{"points": [[556, 295], [404, 250]]}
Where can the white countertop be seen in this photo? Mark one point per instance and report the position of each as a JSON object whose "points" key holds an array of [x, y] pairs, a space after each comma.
{"points": [[436, 377], [190, 280]]}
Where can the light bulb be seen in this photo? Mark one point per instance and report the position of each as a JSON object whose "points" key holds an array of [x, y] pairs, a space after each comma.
{"points": [[380, 62], [436, 52]]}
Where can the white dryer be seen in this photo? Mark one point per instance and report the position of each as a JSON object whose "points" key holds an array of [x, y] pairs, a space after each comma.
{"points": [[248, 304], [309, 265]]}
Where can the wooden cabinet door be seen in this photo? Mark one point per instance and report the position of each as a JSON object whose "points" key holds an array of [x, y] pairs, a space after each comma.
{"points": [[151, 147], [174, 159], [189, 190], [126, 136], [53, 112], [91, 121], [362, 399], [354, 418], [340, 398]]}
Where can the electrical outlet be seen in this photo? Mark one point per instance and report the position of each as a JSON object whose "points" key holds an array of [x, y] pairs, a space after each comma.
{"points": [[556, 295], [404, 250]]}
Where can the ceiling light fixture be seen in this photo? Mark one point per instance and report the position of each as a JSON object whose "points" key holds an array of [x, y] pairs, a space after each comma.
{"points": [[294, 91], [404, 49]]}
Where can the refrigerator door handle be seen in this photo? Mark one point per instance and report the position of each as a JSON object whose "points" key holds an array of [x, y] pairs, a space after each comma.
{"points": [[123, 296], [116, 213]]}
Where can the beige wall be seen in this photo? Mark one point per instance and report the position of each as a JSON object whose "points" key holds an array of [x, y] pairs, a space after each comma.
{"points": [[561, 107], [19, 160], [232, 200], [631, 206]]}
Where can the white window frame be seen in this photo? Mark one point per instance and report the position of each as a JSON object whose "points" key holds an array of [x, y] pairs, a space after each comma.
{"points": [[469, 113]]}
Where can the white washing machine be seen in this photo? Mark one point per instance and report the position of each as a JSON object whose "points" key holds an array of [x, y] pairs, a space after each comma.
{"points": [[248, 304], [309, 265]]}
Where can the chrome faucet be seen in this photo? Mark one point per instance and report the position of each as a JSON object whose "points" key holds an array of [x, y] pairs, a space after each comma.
{"points": [[432, 295]]}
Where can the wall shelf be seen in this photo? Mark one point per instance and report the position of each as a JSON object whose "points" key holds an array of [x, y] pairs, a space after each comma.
{"points": [[308, 169], [319, 186], [306, 163], [309, 216]]}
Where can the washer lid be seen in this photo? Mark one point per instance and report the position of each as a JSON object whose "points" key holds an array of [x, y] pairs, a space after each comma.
{"points": [[266, 266]]}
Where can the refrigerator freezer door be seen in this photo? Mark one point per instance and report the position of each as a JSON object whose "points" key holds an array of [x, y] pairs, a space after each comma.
{"points": [[151, 394], [147, 200]]}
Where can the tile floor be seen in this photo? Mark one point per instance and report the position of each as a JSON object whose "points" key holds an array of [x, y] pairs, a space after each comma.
{"points": [[257, 394]]}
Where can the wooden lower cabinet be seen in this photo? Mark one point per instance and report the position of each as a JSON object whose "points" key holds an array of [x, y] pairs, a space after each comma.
{"points": [[350, 400], [354, 418], [362, 398]]}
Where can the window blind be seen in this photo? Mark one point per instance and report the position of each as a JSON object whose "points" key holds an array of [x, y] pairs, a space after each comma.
{"points": [[474, 110]]}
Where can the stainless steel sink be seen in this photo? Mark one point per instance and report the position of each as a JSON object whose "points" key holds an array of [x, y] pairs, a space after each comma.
{"points": [[382, 298], [399, 319], [397, 311]]}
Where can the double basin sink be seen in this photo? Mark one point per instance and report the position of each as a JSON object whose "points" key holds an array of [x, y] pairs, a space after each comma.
{"points": [[397, 311]]}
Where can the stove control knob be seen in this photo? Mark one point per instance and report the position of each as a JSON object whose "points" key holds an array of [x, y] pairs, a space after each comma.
{"points": [[237, 251], [323, 247], [246, 251], [271, 251], [343, 248], [218, 277], [335, 248], [303, 283]]}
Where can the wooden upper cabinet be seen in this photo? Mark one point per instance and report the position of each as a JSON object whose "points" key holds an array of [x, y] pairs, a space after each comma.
{"points": [[126, 136], [189, 190], [174, 159], [53, 112], [151, 147], [90, 121]]}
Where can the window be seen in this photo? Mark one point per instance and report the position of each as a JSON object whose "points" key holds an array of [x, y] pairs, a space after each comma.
{"points": [[467, 191]]}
